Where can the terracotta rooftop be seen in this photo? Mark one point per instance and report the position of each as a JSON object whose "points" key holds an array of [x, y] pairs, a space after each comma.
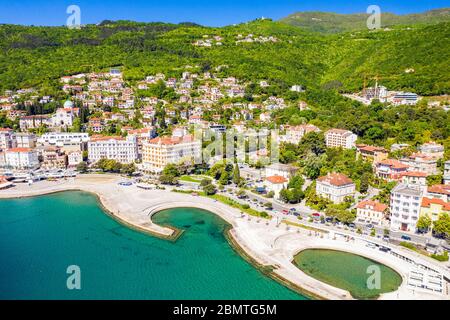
{"points": [[19, 150], [440, 188], [172, 140], [336, 179], [426, 202], [394, 164], [366, 148], [414, 174], [276, 179], [372, 205]]}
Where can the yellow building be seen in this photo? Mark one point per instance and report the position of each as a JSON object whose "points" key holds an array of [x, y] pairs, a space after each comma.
{"points": [[159, 152], [433, 208]]}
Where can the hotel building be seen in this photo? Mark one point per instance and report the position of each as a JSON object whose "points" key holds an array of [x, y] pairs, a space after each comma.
{"points": [[123, 150], [405, 207], [159, 152], [338, 138]]}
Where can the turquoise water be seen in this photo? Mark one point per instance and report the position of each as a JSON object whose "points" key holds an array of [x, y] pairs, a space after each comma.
{"points": [[42, 236]]}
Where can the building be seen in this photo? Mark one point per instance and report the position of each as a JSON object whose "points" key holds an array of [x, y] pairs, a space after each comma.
{"points": [[36, 121], [26, 140], [414, 178], [405, 207], [405, 98], [74, 158], [283, 170], [422, 163], [432, 149], [338, 138], [21, 158], [296, 133], [335, 187], [370, 211], [390, 169], [275, 184], [63, 118], [447, 173], [439, 191], [7, 139], [371, 153], [161, 151], [96, 125], [53, 158], [433, 208], [123, 150], [67, 141]]}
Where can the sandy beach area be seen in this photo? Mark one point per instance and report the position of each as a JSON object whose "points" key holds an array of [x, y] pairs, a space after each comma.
{"points": [[263, 242]]}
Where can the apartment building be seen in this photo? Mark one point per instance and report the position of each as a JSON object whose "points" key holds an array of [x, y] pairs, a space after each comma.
{"points": [[7, 139], [434, 208], [338, 138], [390, 169], [159, 152], [405, 207], [447, 173], [370, 211], [67, 141], [335, 187], [373, 154], [432, 149], [295, 133], [53, 158], [26, 140], [21, 158], [421, 162], [123, 150]]}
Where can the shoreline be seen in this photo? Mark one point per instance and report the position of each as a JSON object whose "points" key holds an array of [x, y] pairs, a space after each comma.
{"points": [[266, 246]]}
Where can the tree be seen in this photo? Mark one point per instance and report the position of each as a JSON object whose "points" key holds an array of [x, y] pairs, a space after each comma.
{"points": [[236, 175], [296, 182], [284, 195], [364, 186], [441, 226], [82, 167], [170, 175], [128, 169], [209, 189]]}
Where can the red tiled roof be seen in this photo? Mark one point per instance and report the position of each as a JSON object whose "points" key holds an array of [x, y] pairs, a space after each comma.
{"points": [[276, 179], [19, 150], [440, 188], [372, 205], [105, 138], [363, 147], [394, 164], [414, 174], [426, 202], [336, 179], [172, 140]]}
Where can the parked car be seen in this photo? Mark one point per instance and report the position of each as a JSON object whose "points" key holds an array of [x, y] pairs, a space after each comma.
{"points": [[407, 238], [285, 212]]}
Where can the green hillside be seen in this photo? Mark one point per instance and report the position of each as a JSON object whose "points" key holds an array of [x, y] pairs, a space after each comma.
{"points": [[38, 56], [328, 22]]}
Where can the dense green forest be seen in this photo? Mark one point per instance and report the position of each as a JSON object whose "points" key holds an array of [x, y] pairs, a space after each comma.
{"points": [[38, 56], [329, 22]]}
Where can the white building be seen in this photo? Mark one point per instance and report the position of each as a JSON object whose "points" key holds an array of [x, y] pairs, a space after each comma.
{"points": [[335, 187], [405, 207], [67, 141], [26, 140], [282, 170], [159, 152], [123, 150], [63, 117], [7, 139], [74, 158], [336, 138], [21, 158], [447, 173], [432, 149], [275, 184]]}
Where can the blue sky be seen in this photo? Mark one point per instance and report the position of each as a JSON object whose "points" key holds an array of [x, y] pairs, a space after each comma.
{"points": [[205, 12]]}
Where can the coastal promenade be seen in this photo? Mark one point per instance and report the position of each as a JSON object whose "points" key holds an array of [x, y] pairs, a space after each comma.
{"points": [[266, 243]]}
